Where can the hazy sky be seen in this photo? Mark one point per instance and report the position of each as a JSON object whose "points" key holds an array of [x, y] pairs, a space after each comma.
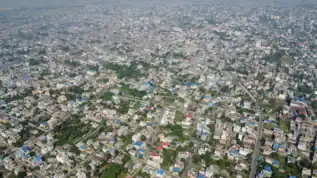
{"points": [[41, 3]]}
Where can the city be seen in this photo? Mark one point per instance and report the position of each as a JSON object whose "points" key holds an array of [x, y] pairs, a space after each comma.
{"points": [[175, 90]]}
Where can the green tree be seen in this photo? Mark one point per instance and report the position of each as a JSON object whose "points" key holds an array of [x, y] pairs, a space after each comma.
{"points": [[196, 159], [113, 171], [143, 137]]}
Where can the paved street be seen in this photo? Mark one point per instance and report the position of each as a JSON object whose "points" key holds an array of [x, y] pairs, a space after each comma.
{"points": [[259, 135]]}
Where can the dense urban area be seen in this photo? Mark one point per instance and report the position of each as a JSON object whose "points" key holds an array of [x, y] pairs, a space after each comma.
{"points": [[171, 90]]}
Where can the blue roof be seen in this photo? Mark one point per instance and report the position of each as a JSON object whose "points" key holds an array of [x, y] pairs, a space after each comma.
{"points": [[275, 146], [292, 176], [82, 146], [173, 90], [281, 146], [44, 122], [25, 148], [26, 78], [300, 99], [211, 104], [252, 123], [260, 157], [37, 159], [277, 129], [267, 121], [150, 124], [117, 121], [84, 98], [205, 133], [139, 143], [268, 168], [176, 169], [2, 102], [190, 83], [206, 96], [234, 151], [141, 150], [160, 171], [201, 176], [276, 162]]}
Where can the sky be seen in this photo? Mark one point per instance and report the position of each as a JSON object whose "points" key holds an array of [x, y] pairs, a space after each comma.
{"points": [[40, 3], [49, 3]]}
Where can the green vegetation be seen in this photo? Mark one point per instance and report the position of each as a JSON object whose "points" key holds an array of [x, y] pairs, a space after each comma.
{"points": [[278, 157], [143, 174], [244, 110], [124, 107], [126, 139], [179, 116], [143, 138], [21, 96], [284, 125], [70, 131], [268, 126], [132, 92], [176, 130], [93, 68], [224, 164], [7, 125], [72, 63], [76, 89], [314, 105], [107, 96], [20, 175], [124, 71], [35, 62], [207, 158], [113, 171], [104, 80], [304, 89], [196, 159], [137, 105], [213, 93], [169, 157]]}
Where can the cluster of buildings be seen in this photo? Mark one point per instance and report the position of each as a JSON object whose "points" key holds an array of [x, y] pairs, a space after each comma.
{"points": [[158, 91]]}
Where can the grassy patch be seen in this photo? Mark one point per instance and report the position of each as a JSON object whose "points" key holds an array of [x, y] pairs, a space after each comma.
{"points": [[169, 157], [179, 116], [284, 125], [268, 126]]}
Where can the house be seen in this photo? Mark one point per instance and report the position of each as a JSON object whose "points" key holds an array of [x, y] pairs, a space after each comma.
{"points": [[160, 173], [306, 173], [267, 171], [165, 144], [37, 160], [138, 144], [276, 163]]}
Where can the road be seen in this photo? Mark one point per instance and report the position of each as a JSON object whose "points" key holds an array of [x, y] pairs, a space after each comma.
{"points": [[256, 150], [39, 128], [190, 163]]}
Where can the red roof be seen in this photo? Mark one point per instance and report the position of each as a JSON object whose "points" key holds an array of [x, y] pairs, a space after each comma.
{"points": [[165, 144], [150, 108], [159, 148], [189, 115], [154, 154]]}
